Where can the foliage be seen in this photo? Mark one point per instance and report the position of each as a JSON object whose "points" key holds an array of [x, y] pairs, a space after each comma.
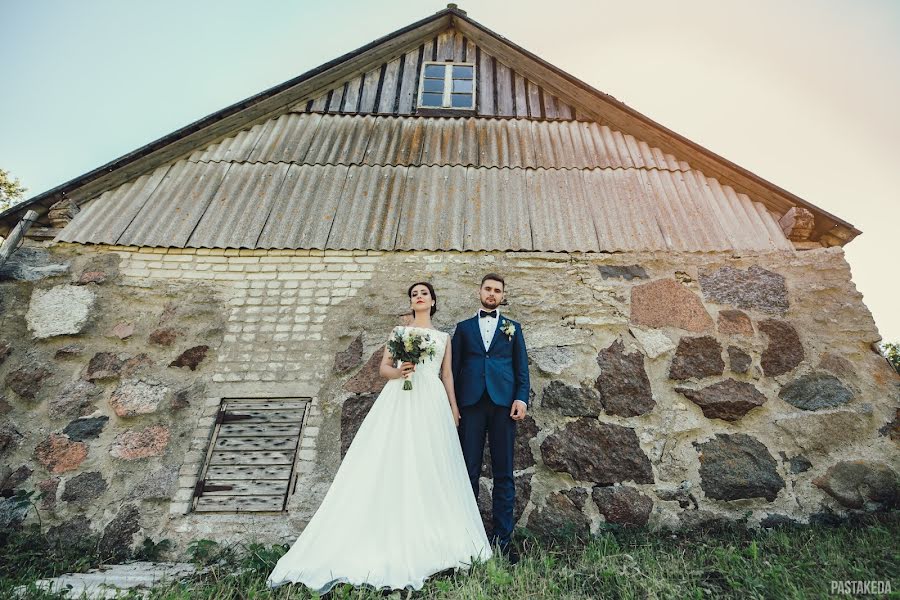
{"points": [[891, 352], [725, 561], [153, 551], [11, 190]]}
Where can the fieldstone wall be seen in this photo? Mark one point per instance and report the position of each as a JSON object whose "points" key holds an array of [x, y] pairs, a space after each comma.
{"points": [[668, 390]]}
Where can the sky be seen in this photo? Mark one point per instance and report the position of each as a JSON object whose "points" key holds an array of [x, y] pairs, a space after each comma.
{"points": [[802, 93]]}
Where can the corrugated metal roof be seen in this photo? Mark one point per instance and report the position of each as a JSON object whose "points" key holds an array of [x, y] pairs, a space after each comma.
{"points": [[313, 139], [449, 207]]}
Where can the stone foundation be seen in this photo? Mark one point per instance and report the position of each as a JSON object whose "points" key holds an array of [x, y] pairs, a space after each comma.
{"points": [[668, 390]]}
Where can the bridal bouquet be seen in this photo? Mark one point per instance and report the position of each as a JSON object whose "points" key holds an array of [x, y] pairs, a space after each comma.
{"points": [[408, 345]]}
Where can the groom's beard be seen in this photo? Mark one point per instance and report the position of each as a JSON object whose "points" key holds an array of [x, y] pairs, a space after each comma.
{"points": [[490, 306]]}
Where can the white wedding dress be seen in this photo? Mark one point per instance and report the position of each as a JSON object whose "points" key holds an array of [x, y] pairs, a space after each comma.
{"points": [[400, 507]]}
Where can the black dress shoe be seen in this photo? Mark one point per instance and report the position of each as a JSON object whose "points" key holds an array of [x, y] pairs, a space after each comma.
{"points": [[508, 552]]}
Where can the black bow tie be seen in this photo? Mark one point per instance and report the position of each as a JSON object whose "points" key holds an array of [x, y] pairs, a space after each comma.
{"points": [[487, 313]]}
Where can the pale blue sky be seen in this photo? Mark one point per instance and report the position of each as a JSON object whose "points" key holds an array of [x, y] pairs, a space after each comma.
{"points": [[803, 93]]}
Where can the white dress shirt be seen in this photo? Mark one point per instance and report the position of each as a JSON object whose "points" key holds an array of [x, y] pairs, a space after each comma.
{"points": [[487, 326]]}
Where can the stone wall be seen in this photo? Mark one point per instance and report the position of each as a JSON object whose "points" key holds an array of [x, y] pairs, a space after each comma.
{"points": [[668, 390]]}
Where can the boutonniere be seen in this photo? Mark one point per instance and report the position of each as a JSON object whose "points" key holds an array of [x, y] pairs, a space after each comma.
{"points": [[508, 328]]}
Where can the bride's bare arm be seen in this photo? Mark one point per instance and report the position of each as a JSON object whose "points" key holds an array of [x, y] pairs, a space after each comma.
{"points": [[447, 378], [389, 371]]}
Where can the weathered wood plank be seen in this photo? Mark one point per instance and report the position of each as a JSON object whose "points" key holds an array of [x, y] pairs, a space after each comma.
{"points": [[274, 404], [352, 100], [445, 45], [337, 97], [521, 97], [459, 42], [255, 443], [408, 84], [370, 89], [485, 84], [470, 51], [550, 106], [248, 459], [256, 472], [239, 503], [534, 100], [505, 100], [269, 416], [243, 487], [240, 429], [389, 87], [563, 110], [319, 103]]}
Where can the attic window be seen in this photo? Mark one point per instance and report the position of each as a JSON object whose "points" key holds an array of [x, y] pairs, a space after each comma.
{"points": [[447, 85]]}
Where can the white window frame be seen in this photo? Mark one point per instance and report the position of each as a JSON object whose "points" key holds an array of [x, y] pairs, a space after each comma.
{"points": [[446, 104]]}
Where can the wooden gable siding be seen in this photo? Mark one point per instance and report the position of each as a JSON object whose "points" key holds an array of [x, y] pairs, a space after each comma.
{"points": [[392, 87]]}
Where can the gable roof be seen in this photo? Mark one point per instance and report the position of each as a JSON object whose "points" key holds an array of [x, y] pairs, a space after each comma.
{"points": [[367, 182], [313, 86]]}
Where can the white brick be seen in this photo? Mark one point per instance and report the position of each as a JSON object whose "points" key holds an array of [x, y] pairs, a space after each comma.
{"points": [[243, 260], [195, 275], [136, 272]]}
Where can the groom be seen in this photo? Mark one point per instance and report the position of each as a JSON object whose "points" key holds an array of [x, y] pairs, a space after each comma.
{"points": [[490, 372]]}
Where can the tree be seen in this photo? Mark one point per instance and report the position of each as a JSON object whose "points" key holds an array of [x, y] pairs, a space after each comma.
{"points": [[11, 190], [892, 353]]}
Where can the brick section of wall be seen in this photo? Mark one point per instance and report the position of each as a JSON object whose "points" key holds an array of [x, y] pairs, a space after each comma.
{"points": [[278, 301]]}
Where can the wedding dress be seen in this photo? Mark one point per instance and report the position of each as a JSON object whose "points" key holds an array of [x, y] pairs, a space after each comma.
{"points": [[400, 507]]}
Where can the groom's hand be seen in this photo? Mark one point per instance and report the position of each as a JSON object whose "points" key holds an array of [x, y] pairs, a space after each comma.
{"points": [[517, 412]]}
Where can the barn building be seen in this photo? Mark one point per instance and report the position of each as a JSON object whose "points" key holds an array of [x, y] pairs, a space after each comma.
{"points": [[190, 334]]}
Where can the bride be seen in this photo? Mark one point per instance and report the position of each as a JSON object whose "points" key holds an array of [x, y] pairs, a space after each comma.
{"points": [[400, 507]]}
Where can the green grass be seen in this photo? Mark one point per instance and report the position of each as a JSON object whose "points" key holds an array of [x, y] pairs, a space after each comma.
{"points": [[728, 562]]}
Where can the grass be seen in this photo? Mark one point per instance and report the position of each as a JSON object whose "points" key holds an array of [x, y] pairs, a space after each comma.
{"points": [[728, 562]]}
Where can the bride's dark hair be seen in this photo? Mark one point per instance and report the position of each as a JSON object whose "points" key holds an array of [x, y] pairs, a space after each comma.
{"points": [[430, 291]]}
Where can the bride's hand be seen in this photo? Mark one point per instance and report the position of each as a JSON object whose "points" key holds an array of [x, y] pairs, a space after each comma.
{"points": [[455, 411], [407, 368]]}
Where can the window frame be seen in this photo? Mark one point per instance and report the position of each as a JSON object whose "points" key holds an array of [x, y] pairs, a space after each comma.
{"points": [[447, 100]]}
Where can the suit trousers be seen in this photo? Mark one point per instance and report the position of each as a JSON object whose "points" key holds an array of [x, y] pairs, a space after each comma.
{"points": [[485, 417]]}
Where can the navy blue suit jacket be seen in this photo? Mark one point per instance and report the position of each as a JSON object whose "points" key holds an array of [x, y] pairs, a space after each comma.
{"points": [[502, 370]]}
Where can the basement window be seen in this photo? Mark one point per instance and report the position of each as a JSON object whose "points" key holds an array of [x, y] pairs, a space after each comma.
{"points": [[447, 85], [250, 464]]}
